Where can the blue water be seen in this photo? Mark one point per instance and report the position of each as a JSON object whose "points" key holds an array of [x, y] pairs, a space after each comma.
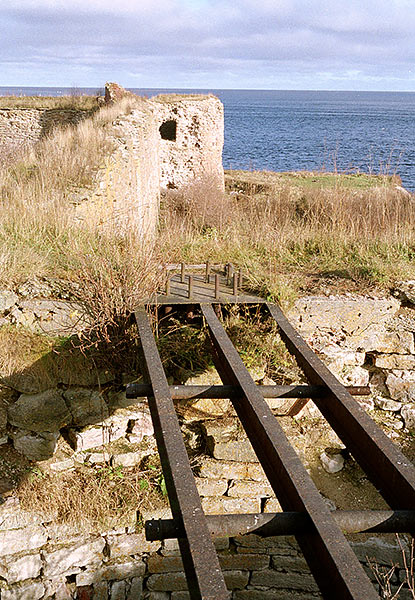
{"points": [[373, 132]]}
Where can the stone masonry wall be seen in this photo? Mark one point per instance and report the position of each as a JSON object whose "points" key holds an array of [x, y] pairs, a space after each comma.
{"points": [[195, 155], [127, 194], [21, 126], [71, 421], [128, 185]]}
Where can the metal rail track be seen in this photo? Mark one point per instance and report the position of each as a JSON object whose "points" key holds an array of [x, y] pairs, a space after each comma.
{"points": [[318, 530]]}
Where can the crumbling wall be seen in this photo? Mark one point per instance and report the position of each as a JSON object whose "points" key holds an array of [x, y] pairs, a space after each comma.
{"points": [[191, 134], [127, 193], [22, 126], [168, 142]]}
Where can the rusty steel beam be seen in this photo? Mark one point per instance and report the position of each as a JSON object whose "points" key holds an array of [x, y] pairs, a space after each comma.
{"points": [[289, 523], [187, 392], [388, 469], [201, 564], [332, 561]]}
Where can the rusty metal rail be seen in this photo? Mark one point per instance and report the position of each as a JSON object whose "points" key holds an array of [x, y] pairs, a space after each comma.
{"points": [[201, 564], [187, 392], [289, 523], [318, 530]]}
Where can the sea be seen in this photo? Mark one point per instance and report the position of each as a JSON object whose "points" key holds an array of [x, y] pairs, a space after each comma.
{"points": [[285, 130]]}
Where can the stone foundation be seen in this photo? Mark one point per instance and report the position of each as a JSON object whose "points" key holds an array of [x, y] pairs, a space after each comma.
{"points": [[73, 421]]}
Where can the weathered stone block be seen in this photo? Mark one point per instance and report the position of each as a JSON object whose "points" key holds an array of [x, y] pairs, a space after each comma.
{"points": [[401, 385], [136, 589], [110, 430], [222, 505], [221, 430], [171, 547], [381, 550], [70, 560], [284, 545], [203, 408], [217, 469], [332, 461], [86, 406], [240, 562], [408, 415], [127, 544], [321, 319], [251, 489], [211, 487], [164, 564], [46, 411], [54, 317], [290, 563], [13, 517], [118, 590], [238, 450], [263, 594], [348, 375], [35, 446], [167, 582], [272, 506], [20, 540], [243, 562], [7, 300], [395, 361], [33, 591], [278, 579], [388, 404], [134, 568], [27, 567], [399, 342]]}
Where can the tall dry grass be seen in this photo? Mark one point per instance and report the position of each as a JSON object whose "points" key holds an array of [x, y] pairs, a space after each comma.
{"points": [[367, 235], [40, 237]]}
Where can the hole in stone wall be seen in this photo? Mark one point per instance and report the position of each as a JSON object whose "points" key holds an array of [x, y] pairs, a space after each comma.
{"points": [[168, 130]]}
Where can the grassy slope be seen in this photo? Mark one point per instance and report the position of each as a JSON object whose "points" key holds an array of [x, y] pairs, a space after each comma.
{"points": [[297, 232]]}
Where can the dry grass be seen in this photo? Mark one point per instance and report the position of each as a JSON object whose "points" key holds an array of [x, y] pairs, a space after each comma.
{"points": [[40, 237], [73, 102], [94, 498], [284, 232]]}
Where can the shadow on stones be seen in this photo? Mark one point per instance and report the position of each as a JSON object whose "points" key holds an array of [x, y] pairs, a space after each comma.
{"points": [[61, 117], [71, 387]]}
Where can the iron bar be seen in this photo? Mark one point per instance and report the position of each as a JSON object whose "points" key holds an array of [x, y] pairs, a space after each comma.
{"points": [[289, 523], [201, 564], [388, 469], [187, 392], [332, 561]]}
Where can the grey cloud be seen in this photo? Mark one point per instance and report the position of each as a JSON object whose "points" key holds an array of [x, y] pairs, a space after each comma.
{"points": [[218, 38]]}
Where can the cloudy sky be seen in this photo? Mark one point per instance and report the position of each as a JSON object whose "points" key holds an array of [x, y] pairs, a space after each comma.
{"points": [[258, 44]]}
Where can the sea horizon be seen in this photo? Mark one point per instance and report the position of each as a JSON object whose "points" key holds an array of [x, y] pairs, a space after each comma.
{"points": [[302, 130]]}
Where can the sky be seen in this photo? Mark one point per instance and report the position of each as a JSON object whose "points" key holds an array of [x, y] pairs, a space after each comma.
{"points": [[209, 44]]}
